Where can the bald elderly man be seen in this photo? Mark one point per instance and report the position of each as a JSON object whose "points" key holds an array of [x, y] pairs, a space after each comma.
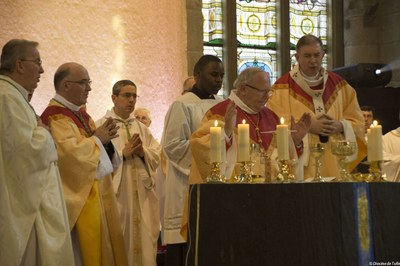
{"points": [[85, 166]]}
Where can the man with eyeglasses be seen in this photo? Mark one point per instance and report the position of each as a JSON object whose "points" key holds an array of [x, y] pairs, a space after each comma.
{"points": [[332, 102], [86, 157], [245, 103], [33, 218], [134, 179]]}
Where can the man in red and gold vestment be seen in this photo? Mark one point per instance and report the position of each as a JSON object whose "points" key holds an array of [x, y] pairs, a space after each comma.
{"points": [[85, 167], [332, 102], [246, 102]]}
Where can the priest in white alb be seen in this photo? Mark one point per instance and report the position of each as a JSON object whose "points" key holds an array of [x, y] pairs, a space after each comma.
{"points": [[391, 154], [134, 179], [34, 226]]}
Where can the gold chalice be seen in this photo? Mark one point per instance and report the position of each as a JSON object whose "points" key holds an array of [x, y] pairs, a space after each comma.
{"points": [[317, 150], [342, 149]]}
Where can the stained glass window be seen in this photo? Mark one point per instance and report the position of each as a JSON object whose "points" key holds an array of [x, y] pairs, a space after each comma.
{"points": [[212, 24], [256, 34], [257, 30], [307, 17]]}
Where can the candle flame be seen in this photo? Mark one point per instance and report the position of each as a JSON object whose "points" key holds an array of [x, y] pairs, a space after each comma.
{"points": [[216, 123], [375, 123], [282, 121], [244, 121]]}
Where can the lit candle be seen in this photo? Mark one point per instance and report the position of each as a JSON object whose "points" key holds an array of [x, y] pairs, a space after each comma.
{"points": [[215, 143], [282, 135], [375, 152], [243, 142]]}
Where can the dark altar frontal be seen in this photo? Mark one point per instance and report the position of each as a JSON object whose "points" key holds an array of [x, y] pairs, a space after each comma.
{"points": [[294, 224]]}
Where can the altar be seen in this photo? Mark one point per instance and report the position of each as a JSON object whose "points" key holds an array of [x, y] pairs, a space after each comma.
{"points": [[294, 224]]}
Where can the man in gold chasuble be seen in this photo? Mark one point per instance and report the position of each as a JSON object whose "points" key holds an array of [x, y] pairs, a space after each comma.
{"points": [[85, 167], [332, 102]]}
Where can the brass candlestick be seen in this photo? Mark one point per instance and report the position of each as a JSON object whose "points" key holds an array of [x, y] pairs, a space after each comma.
{"points": [[245, 175], [375, 172], [284, 175], [317, 150], [215, 174]]}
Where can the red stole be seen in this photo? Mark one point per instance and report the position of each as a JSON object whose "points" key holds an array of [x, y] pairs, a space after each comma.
{"points": [[81, 118], [333, 85]]}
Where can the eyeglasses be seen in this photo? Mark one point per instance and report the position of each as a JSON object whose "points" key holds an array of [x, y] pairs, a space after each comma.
{"points": [[38, 62], [128, 95], [266, 92], [83, 82]]}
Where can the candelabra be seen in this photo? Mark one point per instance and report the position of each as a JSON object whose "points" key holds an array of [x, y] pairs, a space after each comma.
{"points": [[215, 174], [245, 175], [375, 172], [284, 175]]}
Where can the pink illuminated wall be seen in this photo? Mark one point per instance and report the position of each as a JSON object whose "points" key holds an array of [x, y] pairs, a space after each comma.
{"points": [[141, 40]]}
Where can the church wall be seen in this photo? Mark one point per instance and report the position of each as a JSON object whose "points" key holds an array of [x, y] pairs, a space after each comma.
{"points": [[372, 35], [194, 33], [389, 37], [144, 41]]}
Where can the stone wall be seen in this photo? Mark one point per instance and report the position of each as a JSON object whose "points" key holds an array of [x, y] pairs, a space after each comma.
{"points": [[372, 34], [144, 41]]}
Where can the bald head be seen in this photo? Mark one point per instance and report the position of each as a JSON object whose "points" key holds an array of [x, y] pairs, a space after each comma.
{"points": [[188, 84], [72, 81], [143, 115], [63, 71]]}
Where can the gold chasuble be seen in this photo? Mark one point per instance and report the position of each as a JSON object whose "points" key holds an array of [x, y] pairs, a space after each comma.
{"points": [[335, 98], [90, 199]]}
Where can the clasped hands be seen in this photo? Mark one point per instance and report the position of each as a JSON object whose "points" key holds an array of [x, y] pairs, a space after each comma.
{"points": [[325, 125], [107, 131], [133, 147], [321, 125]]}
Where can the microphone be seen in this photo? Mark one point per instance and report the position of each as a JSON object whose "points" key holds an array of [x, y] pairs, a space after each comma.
{"points": [[323, 139]]}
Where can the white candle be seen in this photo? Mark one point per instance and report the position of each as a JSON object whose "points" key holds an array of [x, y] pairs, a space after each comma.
{"points": [[282, 136], [375, 151], [243, 142], [215, 143]]}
